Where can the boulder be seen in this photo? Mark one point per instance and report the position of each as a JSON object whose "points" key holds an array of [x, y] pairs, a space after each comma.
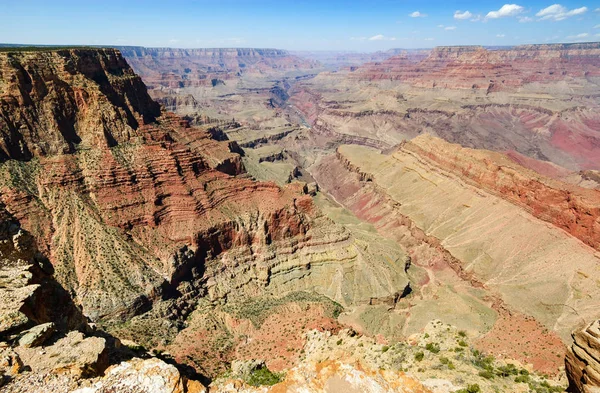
{"points": [[37, 335], [73, 354]]}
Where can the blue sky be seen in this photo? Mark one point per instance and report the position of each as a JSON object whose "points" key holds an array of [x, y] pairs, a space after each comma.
{"points": [[359, 25]]}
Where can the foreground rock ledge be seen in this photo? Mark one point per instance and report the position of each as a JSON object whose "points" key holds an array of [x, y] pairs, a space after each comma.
{"points": [[583, 360]]}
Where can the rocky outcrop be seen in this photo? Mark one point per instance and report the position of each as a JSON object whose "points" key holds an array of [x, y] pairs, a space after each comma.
{"points": [[142, 376], [33, 305], [38, 318], [583, 360], [52, 102]]}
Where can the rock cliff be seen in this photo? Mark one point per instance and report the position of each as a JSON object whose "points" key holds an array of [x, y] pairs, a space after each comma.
{"points": [[176, 68], [571, 208], [51, 102], [474, 67], [583, 360]]}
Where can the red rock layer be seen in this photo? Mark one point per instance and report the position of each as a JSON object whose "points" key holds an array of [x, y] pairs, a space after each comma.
{"points": [[492, 70], [574, 209]]}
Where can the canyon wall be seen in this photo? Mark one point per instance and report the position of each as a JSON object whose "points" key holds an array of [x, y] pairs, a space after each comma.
{"points": [[159, 209], [474, 209], [474, 67], [52, 101], [177, 68]]}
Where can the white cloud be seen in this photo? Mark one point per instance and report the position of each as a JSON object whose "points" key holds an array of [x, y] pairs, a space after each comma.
{"points": [[506, 10], [441, 26], [450, 28], [597, 27], [558, 12], [525, 19], [381, 37], [578, 36], [417, 14], [222, 41], [173, 41], [429, 39], [500, 35], [462, 15]]}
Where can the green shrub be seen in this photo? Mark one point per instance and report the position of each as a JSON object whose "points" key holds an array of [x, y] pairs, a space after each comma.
{"points": [[462, 333], [339, 342], [506, 371], [444, 360], [470, 389], [473, 388], [384, 349], [419, 356], [264, 376], [486, 374], [462, 343], [431, 347], [522, 379]]}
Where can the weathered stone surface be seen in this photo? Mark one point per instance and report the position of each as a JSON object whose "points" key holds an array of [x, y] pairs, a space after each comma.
{"points": [[574, 209], [489, 242], [583, 360], [73, 354], [142, 376], [37, 335]]}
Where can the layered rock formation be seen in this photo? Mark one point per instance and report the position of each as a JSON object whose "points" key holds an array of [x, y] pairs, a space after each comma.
{"points": [[51, 102], [573, 209], [176, 68], [36, 311], [336, 60], [490, 70], [476, 226], [154, 228], [538, 101], [583, 360], [165, 211]]}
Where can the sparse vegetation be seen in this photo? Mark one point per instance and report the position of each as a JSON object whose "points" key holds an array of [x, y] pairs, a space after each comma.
{"points": [[259, 308], [264, 376]]}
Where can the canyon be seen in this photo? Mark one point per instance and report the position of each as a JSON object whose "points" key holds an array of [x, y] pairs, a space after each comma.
{"points": [[415, 221]]}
